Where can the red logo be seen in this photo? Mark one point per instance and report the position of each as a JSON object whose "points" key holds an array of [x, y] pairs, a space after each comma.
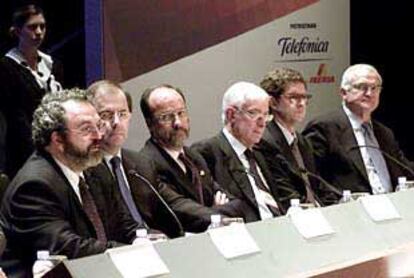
{"points": [[322, 76]]}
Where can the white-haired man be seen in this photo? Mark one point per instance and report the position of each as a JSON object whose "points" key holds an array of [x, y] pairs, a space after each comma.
{"points": [[230, 155], [352, 150]]}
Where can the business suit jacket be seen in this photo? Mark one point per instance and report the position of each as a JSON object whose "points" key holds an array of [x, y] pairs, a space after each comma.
{"points": [[339, 159], [149, 205], [41, 211], [228, 171], [291, 183], [177, 188]]}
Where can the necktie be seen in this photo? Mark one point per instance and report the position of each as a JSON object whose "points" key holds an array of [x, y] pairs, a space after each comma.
{"points": [[310, 197], [195, 176], [376, 157], [91, 211], [258, 180], [123, 188]]}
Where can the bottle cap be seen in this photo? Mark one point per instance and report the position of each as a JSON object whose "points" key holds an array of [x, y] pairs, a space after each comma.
{"points": [[43, 255], [215, 218], [402, 180], [294, 202], [141, 233]]}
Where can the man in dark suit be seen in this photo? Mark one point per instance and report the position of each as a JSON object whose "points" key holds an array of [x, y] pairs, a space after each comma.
{"points": [[354, 151], [286, 150], [49, 205], [142, 201], [184, 174], [230, 155]]}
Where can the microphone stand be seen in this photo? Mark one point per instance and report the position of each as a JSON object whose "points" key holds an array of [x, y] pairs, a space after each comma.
{"points": [[155, 191]]}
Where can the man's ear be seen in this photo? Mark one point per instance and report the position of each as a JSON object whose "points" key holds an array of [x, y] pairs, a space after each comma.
{"points": [[273, 104], [342, 92], [57, 140], [230, 113]]}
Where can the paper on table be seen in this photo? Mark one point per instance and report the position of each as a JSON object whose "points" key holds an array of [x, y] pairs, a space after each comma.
{"points": [[137, 261], [233, 241], [379, 207], [311, 223]]}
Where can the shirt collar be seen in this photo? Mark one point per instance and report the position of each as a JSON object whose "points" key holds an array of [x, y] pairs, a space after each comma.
{"points": [[237, 146], [173, 153], [290, 137], [15, 55], [72, 176], [108, 157], [355, 121]]}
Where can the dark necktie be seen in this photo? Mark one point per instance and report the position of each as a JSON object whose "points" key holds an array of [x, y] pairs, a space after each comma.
{"points": [[258, 180], [91, 211], [195, 175], [375, 155], [310, 197], [125, 191]]}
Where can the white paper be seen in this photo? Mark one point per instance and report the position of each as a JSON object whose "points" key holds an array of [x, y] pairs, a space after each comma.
{"points": [[380, 207], [137, 261], [311, 223], [233, 241]]}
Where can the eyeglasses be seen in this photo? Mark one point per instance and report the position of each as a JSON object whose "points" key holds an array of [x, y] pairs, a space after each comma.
{"points": [[89, 129], [110, 115], [170, 117], [297, 98], [255, 115], [364, 87]]}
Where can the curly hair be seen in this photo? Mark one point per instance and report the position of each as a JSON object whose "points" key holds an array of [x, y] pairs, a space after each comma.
{"points": [[276, 81], [50, 115]]}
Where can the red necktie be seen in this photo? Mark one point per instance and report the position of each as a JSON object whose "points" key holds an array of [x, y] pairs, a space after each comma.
{"points": [[195, 176], [91, 211]]}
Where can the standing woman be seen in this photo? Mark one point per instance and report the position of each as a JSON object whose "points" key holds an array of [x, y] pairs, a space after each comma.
{"points": [[26, 74]]}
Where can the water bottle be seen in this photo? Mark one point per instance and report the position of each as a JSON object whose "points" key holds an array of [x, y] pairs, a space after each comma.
{"points": [[43, 264], [294, 207], [346, 196], [215, 221], [402, 184], [141, 237]]}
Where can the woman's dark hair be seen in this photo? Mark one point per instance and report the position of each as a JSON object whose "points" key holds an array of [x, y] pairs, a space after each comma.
{"points": [[22, 15]]}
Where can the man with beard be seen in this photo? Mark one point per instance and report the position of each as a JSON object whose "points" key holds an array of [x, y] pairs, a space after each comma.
{"points": [[288, 102], [230, 155], [49, 205], [353, 151], [145, 205], [182, 175]]}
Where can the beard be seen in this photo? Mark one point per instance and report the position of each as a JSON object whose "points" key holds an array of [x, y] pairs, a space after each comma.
{"points": [[83, 159], [173, 139]]}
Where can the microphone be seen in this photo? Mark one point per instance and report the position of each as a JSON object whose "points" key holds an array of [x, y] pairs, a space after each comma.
{"points": [[387, 155], [155, 191], [304, 171]]}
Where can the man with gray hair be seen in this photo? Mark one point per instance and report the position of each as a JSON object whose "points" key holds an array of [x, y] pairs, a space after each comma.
{"points": [[50, 204], [230, 156], [353, 151]]}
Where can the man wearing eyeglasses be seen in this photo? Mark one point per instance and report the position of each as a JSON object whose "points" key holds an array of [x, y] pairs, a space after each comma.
{"points": [[182, 174], [51, 204], [288, 102], [354, 151], [145, 206], [230, 155]]}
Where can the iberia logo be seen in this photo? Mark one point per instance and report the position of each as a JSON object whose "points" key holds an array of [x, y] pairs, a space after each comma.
{"points": [[322, 76]]}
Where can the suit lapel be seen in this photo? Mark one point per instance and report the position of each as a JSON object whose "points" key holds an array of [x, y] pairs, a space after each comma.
{"points": [[349, 143], [236, 169], [168, 166]]}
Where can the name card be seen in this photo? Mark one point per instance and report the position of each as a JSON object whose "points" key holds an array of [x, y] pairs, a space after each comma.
{"points": [[137, 261], [379, 207], [311, 223], [233, 241]]}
